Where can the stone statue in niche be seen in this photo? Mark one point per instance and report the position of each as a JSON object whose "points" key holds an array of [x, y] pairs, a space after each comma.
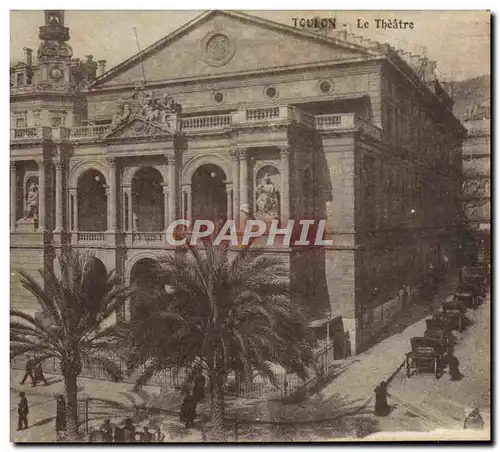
{"points": [[267, 198], [31, 210]]}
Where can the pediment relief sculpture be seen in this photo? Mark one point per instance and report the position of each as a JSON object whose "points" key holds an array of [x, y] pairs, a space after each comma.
{"points": [[157, 112]]}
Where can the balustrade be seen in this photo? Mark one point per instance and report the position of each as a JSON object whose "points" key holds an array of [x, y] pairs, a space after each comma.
{"points": [[26, 133], [147, 237], [262, 114], [88, 132], [206, 122], [92, 237]]}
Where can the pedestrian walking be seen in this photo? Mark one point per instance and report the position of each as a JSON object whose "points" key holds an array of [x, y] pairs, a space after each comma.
{"points": [[158, 435], [199, 386], [474, 421], [453, 368], [186, 388], [381, 406], [119, 435], [107, 430], [22, 412], [146, 436], [129, 431], [188, 411], [60, 417], [28, 372], [39, 376]]}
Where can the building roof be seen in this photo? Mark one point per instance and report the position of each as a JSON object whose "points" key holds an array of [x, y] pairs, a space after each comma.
{"points": [[334, 42]]}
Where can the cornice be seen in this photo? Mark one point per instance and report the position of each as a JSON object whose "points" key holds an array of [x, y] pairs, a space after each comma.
{"points": [[273, 71]]}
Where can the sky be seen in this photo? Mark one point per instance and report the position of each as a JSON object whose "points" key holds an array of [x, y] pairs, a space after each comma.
{"points": [[458, 40]]}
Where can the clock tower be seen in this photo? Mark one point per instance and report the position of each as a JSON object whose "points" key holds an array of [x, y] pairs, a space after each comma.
{"points": [[54, 54]]}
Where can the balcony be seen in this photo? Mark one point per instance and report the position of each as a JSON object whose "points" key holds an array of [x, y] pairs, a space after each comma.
{"points": [[87, 132], [31, 134], [90, 237], [147, 238], [243, 118], [347, 122], [207, 122]]}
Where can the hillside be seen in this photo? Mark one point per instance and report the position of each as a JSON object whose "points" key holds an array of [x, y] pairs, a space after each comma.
{"points": [[471, 92]]}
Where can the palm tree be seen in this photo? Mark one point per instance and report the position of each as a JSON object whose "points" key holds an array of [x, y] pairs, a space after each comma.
{"points": [[77, 306], [228, 315]]}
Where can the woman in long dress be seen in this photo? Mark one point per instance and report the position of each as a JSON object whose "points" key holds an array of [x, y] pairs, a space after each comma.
{"points": [[381, 406]]}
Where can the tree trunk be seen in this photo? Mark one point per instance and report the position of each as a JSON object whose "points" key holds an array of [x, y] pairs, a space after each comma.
{"points": [[70, 384], [217, 408]]}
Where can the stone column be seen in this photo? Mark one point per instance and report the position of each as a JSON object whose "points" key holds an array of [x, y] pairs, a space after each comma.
{"points": [[13, 195], [130, 213], [166, 209], [285, 184], [59, 196], [243, 163], [124, 209], [111, 193], [41, 195], [229, 195], [172, 189], [189, 202], [236, 186], [73, 202]]}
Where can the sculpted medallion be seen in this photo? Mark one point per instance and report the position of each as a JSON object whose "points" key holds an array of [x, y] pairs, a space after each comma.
{"points": [[219, 49]]}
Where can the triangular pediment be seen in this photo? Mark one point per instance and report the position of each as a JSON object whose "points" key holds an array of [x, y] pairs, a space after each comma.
{"points": [[220, 42], [138, 127]]}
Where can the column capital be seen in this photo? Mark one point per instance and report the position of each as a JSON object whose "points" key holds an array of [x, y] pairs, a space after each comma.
{"points": [[229, 186], [72, 191], [59, 164], [111, 161], [186, 188], [13, 166], [40, 163], [234, 152], [285, 151], [170, 159], [242, 154], [165, 189]]}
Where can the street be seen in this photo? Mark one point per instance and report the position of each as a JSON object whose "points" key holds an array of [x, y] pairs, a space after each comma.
{"points": [[420, 403], [41, 418], [445, 401]]}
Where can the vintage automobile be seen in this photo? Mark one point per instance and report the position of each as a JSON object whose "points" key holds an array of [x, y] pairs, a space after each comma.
{"points": [[439, 329], [426, 356], [475, 274], [470, 299], [454, 314]]}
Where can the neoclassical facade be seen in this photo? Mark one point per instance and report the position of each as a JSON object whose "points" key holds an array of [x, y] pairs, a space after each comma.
{"points": [[230, 116]]}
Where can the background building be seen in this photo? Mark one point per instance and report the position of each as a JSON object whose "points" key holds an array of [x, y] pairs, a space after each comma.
{"points": [[473, 107], [344, 129]]}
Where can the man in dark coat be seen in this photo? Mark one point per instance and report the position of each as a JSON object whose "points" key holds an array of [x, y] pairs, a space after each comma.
{"points": [[60, 416], [28, 372], [39, 376], [188, 411], [199, 386], [22, 411]]}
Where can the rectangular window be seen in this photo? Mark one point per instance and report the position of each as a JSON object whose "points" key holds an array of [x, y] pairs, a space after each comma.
{"points": [[57, 120], [21, 120], [20, 79]]}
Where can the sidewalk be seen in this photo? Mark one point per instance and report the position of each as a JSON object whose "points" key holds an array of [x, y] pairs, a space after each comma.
{"points": [[348, 392]]}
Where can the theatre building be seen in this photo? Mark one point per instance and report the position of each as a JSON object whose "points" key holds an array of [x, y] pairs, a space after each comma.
{"points": [[233, 115]]}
